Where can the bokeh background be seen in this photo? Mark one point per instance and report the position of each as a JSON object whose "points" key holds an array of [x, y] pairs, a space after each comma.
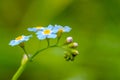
{"points": [[95, 26]]}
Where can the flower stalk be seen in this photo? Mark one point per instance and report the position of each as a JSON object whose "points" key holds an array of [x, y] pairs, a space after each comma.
{"points": [[42, 34], [21, 68]]}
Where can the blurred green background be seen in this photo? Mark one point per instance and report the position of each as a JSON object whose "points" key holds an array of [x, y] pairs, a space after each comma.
{"points": [[95, 26]]}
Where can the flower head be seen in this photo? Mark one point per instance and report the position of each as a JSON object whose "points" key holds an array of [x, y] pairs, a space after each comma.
{"points": [[35, 29], [48, 32], [19, 40], [63, 29]]}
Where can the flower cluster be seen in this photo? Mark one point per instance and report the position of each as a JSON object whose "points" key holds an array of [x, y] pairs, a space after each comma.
{"points": [[70, 49], [50, 31], [46, 33], [42, 33]]}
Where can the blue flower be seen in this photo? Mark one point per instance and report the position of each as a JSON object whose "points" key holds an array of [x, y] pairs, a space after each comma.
{"points": [[35, 29], [48, 32], [63, 29], [19, 40]]}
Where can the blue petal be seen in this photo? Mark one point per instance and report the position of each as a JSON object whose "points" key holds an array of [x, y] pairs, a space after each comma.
{"points": [[50, 27], [55, 30], [41, 37], [32, 29], [13, 43], [58, 26], [67, 29], [52, 36], [26, 38], [39, 32]]}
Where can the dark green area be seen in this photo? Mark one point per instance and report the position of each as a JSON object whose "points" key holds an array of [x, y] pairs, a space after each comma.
{"points": [[95, 26]]}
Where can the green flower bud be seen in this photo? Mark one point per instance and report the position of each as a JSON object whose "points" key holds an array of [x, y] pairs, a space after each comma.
{"points": [[24, 60], [74, 52], [67, 55], [73, 45]]}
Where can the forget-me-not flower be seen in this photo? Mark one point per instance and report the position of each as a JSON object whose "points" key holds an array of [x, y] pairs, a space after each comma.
{"points": [[19, 40], [47, 32], [63, 29], [35, 29]]}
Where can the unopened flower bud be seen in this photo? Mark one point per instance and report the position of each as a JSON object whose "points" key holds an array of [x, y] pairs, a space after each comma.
{"points": [[75, 52], [67, 55], [69, 39], [24, 60], [73, 45]]}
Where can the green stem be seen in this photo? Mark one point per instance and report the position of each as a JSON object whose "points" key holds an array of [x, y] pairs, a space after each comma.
{"points": [[25, 61], [48, 42], [19, 71], [58, 39], [25, 51], [31, 58]]}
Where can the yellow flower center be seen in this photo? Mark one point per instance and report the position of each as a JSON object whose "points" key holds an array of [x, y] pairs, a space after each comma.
{"points": [[39, 27], [47, 31], [19, 38]]}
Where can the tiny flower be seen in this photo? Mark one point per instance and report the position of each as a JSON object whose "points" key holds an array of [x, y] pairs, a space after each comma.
{"points": [[63, 29], [35, 29], [48, 32], [19, 40], [69, 39]]}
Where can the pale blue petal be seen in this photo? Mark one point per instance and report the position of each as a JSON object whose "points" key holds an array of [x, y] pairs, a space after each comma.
{"points": [[58, 26], [52, 36], [41, 29], [32, 29], [13, 42], [26, 38], [67, 29], [49, 27], [55, 30], [39, 32], [41, 37]]}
